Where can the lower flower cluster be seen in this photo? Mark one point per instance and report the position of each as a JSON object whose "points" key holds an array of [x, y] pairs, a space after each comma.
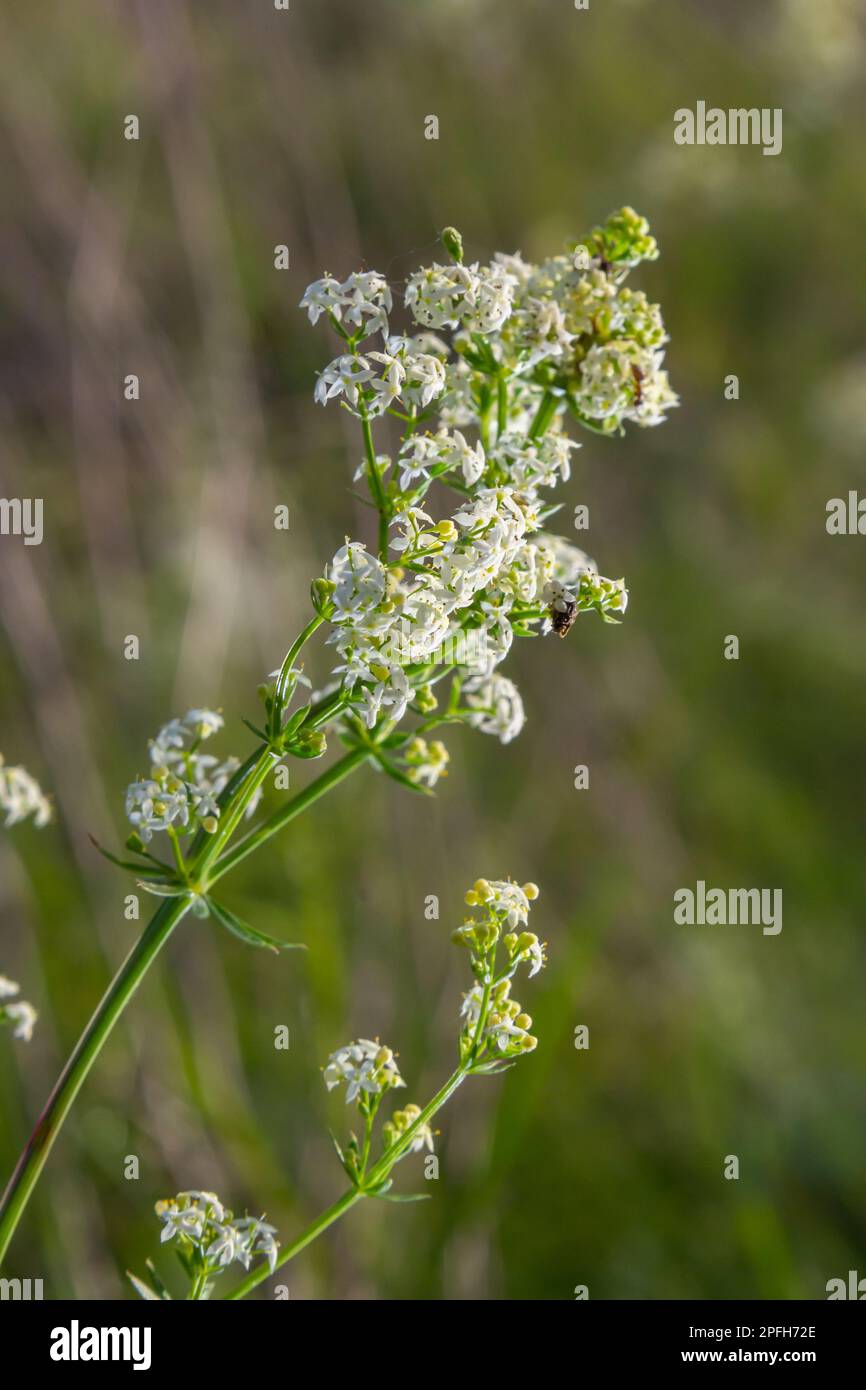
{"points": [[209, 1239]]}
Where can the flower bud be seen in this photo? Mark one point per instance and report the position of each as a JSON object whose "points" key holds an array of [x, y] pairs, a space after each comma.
{"points": [[453, 244], [426, 702], [320, 594], [531, 890]]}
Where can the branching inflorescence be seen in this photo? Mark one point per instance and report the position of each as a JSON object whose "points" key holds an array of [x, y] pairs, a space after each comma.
{"points": [[419, 622], [493, 1034]]}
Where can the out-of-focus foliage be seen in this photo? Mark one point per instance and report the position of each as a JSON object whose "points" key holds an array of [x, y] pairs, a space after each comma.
{"points": [[601, 1167]]}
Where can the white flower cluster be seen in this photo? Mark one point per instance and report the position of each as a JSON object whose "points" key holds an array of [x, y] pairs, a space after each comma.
{"points": [[201, 1222], [20, 1015], [477, 298], [184, 785], [365, 1068], [484, 416], [21, 796]]}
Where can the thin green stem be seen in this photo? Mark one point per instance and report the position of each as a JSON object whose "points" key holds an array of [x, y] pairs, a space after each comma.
{"points": [[377, 1175], [293, 808], [543, 416], [275, 723], [90, 1044], [376, 486], [176, 850], [137, 963], [322, 1222], [501, 405]]}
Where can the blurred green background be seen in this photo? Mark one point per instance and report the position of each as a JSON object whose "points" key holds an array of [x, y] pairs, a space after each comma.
{"points": [[600, 1167]]}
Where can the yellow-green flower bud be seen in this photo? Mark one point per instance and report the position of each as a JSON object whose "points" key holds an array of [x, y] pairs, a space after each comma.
{"points": [[453, 243]]}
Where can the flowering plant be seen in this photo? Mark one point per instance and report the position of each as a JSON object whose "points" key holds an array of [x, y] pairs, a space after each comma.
{"points": [[419, 622], [494, 1032]]}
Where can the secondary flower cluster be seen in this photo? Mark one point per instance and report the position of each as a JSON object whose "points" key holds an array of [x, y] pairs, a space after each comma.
{"points": [[484, 414], [495, 1027], [208, 1238], [18, 1014], [365, 1068], [181, 793], [21, 796]]}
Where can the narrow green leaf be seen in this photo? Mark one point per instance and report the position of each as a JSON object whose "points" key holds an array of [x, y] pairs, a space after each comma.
{"points": [[158, 868], [165, 890], [402, 1196], [249, 934]]}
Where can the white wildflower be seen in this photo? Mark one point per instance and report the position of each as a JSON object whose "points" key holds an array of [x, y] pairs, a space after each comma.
{"points": [[366, 1068], [344, 376], [21, 1015], [496, 705], [21, 796]]}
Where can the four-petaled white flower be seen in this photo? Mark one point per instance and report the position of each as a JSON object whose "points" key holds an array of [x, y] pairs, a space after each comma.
{"points": [[365, 1067]]}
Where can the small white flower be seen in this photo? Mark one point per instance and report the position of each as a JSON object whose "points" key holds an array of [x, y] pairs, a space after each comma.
{"points": [[497, 705], [365, 1067], [345, 376], [360, 579], [322, 297], [22, 1016], [21, 796]]}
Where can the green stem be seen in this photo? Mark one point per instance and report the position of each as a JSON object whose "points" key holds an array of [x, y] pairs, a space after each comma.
{"points": [[322, 1222], [136, 965], [501, 406], [275, 723], [378, 1174], [293, 808], [376, 487], [543, 416], [90, 1044]]}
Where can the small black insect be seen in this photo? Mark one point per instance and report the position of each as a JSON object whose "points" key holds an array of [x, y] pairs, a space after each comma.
{"points": [[562, 619]]}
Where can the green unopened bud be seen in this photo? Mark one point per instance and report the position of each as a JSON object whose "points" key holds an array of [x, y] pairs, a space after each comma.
{"points": [[453, 243], [312, 743], [426, 701], [210, 824], [321, 591]]}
